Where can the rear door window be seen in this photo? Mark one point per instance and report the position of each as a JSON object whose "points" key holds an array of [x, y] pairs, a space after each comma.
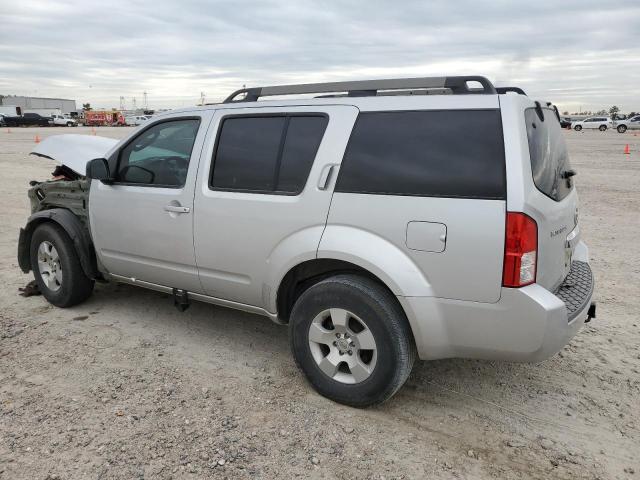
{"points": [[549, 155], [267, 154], [452, 153]]}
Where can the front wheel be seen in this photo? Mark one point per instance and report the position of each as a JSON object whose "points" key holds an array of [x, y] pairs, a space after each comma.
{"points": [[602, 128], [56, 267], [622, 128], [577, 128], [351, 339]]}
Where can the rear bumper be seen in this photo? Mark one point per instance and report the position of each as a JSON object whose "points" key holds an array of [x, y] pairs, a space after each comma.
{"points": [[527, 324]]}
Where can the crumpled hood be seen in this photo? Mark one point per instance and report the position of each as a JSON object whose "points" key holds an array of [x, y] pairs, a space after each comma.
{"points": [[74, 150]]}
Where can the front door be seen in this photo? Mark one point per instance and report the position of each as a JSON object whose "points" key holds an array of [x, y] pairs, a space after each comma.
{"points": [[142, 224], [263, 195]]}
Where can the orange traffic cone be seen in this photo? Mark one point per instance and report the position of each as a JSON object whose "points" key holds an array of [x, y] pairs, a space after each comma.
{"points": [[626, 149], [37, 139]]}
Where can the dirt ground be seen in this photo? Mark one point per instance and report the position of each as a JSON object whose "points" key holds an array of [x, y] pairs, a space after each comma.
{"points": [[125, 386]]}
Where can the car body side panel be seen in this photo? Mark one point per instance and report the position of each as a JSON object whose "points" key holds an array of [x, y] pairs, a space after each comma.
{"points": [[375, 228]]}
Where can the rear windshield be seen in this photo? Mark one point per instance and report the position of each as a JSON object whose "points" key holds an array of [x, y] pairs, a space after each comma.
{"points": [[548, 151]]}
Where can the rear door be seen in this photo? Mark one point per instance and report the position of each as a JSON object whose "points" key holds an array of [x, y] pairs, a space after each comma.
{"points": [[266, 180], [553, 200], [430, 179]]}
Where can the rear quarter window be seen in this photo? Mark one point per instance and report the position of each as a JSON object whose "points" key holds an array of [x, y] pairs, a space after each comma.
{"points": [[548, 152], [453, 153]]}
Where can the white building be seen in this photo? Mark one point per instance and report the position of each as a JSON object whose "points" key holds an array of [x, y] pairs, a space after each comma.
{"points": [[37, 103]]}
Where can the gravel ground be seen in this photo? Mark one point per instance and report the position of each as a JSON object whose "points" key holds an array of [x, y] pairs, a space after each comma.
{"points": [[125, 386]]}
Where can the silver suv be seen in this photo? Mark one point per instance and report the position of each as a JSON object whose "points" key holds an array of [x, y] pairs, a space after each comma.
{"points": [[379, 220]]}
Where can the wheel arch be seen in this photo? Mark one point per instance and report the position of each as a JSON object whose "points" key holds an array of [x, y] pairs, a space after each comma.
{"points": [[351, 250], [308, 273], [71, 224]]}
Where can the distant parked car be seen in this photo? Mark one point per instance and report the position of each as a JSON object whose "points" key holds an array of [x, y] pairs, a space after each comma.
{"points": [[63, 120], [632, 123], [136, 119], [601, 123], [26, 120], [1, 120]]}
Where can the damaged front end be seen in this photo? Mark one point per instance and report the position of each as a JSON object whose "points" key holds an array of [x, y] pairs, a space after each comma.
{"points": [[66, 189], [64, 199]]}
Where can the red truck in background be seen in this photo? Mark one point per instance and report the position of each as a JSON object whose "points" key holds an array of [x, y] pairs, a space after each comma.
{"points": [[104, 118]]}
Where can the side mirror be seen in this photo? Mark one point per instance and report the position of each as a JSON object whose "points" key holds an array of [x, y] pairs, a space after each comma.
{"points": [[98, 169]]}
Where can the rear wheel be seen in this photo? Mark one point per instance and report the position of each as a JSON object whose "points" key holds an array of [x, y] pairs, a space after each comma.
{"points": [[69, 124], [577, 128], [56, 267], [352, 340], [602, 128], [622, 128]]}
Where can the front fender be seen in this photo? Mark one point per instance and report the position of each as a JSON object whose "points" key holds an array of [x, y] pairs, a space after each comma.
{"points": [[378, 256], [72, 225]]}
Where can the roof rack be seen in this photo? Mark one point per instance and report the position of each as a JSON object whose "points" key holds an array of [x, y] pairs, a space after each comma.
{"points": [[517, 90], [456, 85]]}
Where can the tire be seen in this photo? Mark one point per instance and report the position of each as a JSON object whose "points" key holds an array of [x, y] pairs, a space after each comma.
{"points": [[347, 303], [69, 124], [577, 128], [621, 128], [62, 281], [602, 128]]}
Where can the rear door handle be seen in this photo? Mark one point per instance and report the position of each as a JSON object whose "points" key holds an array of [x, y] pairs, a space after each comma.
{"points": [[325, 176], [176, 209]]}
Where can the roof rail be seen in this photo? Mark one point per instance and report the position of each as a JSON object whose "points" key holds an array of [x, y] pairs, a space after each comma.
{"points": [[517, 90], [457, 85]]}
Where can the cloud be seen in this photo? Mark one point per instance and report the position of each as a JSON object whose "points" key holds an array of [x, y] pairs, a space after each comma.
{"points": [[574, 53]]}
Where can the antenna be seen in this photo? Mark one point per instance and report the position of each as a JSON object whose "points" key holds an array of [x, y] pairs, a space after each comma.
{"points": [[202, 95]]}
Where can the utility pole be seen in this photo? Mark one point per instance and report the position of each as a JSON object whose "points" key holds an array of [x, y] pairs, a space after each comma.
{"points": [[144, 102], [134, 104], [122, 105]]}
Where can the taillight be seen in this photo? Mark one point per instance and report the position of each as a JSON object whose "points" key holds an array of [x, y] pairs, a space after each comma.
{"points": [[520, 250]]}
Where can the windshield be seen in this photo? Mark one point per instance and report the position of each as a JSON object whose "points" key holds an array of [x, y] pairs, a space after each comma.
{"points": [[549, 155]]}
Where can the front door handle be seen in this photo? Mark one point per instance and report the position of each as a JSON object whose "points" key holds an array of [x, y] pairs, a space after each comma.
{"points": [[177, 209]]}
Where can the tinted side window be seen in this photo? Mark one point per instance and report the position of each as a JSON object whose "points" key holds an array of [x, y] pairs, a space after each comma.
{"points": [[266, 154], [303, 138], [549, 155], [247, 153], [453, 153], [159, 155]]}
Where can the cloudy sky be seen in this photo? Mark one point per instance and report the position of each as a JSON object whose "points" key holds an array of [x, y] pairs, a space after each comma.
{"points": [[573, 52]]}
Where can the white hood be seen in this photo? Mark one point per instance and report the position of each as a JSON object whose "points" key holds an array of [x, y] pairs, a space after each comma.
{"points": [[74, 151]]}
